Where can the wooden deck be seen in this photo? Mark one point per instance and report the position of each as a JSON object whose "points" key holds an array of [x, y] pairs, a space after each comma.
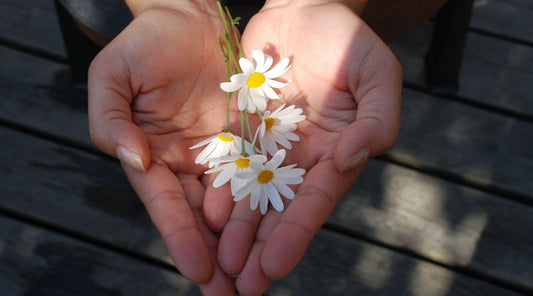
{"points": [[449, 211]]}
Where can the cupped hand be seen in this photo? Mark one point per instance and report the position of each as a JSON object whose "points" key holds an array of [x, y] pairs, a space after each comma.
{"points": [[349, 85], [153, 93]]}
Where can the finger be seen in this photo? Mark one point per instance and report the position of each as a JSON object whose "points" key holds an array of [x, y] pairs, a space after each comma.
{"points": [[377, 90], [315, 200], [237, 238], [219, 283], [110, 118], [252, 280], [168, 207], [218, 204]]}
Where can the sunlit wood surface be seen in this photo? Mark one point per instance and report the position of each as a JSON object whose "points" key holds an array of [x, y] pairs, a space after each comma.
{"points": [[448, 211]]}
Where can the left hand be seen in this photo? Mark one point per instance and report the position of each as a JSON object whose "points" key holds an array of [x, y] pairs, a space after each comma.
{"points": [[348, 83]]}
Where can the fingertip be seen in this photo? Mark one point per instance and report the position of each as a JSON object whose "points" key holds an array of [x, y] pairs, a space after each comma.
{"points": [[219, 284], [284, 250], [363, 139], [217, 207], [131, 159], [353, 160], [191, 256], [252, 280]]}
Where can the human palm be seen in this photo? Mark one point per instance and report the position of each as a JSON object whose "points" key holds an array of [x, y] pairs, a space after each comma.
{"points": [[348, 84], [154, 91]]}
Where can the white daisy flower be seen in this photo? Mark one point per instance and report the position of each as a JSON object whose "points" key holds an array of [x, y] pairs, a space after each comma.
{"points": [[277, 127], [267, 182], [256, 82], [233, 164], [219, 145]]}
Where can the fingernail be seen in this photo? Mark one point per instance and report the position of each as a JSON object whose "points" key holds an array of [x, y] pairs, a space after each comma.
{"points": [[355, 160], [131, 159]]}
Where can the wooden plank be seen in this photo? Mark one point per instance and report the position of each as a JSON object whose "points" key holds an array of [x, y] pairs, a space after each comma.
{"points": [[436, 133], [494, 72], [442, 221], [505, 17], [36, 94], [33, 24], [38, 262], [84, 193], [81, 189], [336, 265], [505, 65], [482, 147]]}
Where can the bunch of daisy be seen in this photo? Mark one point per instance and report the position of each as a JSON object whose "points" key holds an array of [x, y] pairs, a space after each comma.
{"points": [[238, 160]]}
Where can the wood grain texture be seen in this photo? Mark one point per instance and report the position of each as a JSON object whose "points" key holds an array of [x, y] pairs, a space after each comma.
{"points": [[477, 145], [445, 222], [512, 19], [31, 24], [79, 192], [448, 223], [461, 139], [37, 262], [494, 72]]}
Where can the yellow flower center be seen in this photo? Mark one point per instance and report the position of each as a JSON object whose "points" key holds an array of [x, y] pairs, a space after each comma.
{"points": [[269, 122], [242, 163], [226, 139], [255, 80], [265, 176]]}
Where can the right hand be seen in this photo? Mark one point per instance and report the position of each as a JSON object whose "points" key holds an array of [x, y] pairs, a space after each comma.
{"points": [[153, 93]]}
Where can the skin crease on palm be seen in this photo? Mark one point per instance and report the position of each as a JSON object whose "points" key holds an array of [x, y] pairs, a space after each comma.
{"points": [[156, 95]]}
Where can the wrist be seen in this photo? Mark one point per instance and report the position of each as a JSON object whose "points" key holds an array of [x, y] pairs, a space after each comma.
{"points": [[139, 6], [356, 6]]}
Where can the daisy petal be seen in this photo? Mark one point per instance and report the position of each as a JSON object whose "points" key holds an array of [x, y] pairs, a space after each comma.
{"points": [[270, 93], [247, 67], [249, 187], [259, 59], [274, 198], [276, 160], [292, 136], [204, 155], [268, 62], [260, 104], [242, 99], [255, 196], [275, 84], [246, 175], [237, 81], [204, 142], [284, 190], [224, 176], [275, 112], [281, 140], [289, 172], [256, 166], [278, 69], [264, 199]]}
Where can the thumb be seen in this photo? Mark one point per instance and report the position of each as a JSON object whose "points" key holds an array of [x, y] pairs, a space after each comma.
{"points": [[376, 127], [110, 118]]}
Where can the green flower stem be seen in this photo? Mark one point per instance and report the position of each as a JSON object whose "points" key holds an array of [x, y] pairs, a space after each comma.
{"points": [[235, 21], [224, 14], [259, 113], [242, 116], [249, 130]]}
